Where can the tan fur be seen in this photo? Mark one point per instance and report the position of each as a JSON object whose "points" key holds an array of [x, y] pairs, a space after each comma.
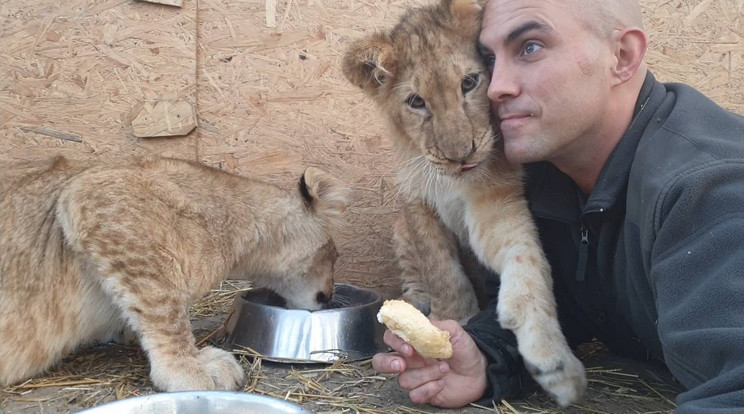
{"points": [[92, 251], [430, 53]]}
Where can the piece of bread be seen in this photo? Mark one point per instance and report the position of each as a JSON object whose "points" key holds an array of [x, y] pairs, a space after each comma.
{"points": [[413, 327]]}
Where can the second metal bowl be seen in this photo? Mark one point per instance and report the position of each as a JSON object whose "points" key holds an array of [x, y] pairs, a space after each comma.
{"points": [[198, 402]]}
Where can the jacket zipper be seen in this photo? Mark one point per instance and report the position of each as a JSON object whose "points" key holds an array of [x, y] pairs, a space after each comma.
{"points": [[583, 254]]}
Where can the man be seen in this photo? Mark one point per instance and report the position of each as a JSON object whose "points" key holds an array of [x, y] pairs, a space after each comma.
{"points": [[637, 188]]}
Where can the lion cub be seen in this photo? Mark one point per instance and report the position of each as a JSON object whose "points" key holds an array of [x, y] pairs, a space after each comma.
{"points": [[430, 83], [94, 249]]}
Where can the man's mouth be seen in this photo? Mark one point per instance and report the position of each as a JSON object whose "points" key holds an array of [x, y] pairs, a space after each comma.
{"points": [[515, 120], [515, 116]]}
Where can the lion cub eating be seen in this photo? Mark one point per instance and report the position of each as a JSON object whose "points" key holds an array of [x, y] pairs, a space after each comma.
{"points": [[91, 250], [430, 83]]}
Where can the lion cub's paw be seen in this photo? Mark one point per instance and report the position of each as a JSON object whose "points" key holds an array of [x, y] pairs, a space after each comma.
{"points": [[419, 300], [560, 374], [212, 369], [221, 366]]}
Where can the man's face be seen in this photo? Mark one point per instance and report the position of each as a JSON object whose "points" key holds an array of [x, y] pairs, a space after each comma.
{"points": [[550, 80]]}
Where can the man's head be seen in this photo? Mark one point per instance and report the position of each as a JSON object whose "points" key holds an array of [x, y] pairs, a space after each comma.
{"points": [[565, 77]]}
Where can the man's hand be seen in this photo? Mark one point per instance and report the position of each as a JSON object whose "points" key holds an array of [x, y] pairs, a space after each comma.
{"points": [[449, 383]]}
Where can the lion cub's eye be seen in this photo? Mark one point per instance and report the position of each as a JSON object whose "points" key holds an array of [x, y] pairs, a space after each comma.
{"points": [[415, 101], [469, 82]]}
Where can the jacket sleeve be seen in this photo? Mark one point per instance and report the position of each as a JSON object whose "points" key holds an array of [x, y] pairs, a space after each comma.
{"points": [[506, 374], [697, 273]]}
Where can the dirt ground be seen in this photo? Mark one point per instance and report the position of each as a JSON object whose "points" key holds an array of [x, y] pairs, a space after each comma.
{"points": [[105, 373]]}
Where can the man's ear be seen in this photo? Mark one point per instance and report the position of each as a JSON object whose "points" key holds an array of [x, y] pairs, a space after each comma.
{"points": [[630, 48], [369, 62]]}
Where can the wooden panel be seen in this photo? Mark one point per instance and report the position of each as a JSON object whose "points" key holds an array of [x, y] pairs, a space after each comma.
{"points": [[699, 43], [79, 68], [271, 97]]}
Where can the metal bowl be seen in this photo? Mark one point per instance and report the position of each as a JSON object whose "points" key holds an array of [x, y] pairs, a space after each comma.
{"points": [[348, 329], [199, 402]]}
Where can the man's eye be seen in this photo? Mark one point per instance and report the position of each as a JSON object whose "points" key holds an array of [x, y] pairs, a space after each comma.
{"points": [[530, 48], [489, 61]]}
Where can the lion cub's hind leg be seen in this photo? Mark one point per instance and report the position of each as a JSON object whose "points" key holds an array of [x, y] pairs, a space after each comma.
{"points": [[433, 279], [126, 336]]}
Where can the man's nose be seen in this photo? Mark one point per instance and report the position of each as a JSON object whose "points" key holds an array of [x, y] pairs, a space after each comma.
{"points": [[504, 83]]}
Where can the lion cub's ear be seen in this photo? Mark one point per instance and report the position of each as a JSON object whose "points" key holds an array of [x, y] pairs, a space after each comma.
{"points": [[464, 7], [370, 62], [326, 195], [467, 13]]}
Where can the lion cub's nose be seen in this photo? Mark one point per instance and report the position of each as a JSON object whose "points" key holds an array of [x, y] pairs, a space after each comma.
{"points": [[322, 298], [458, 153]]}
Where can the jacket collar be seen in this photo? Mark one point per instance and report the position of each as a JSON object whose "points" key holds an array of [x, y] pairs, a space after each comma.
{"points": [[553, 195]]}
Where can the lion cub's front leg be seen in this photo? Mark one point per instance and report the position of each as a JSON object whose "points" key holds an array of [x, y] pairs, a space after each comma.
{"points": [[433, 279], [144, 279], [159, 314], [505, 238]]}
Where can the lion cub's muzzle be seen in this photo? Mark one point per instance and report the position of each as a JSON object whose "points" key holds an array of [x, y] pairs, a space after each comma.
{"points": [[454, 159]]}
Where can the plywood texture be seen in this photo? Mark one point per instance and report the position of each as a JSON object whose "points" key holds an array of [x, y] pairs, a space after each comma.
{"points": [[163, 118], [78, 68], [699, 42], [264, 77]]}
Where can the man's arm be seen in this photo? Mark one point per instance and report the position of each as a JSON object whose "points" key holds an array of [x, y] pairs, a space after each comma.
{"points": [[697, 271]]}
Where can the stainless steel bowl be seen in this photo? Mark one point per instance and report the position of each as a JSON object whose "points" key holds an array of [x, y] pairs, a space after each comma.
{"points": [[199, 402], [350, 331]]}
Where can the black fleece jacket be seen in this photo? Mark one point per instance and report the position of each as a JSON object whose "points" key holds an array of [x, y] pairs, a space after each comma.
{"points": [[652, 261]]}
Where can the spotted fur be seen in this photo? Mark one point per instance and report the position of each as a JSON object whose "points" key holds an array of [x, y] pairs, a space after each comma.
{"points": [[92, 251]]}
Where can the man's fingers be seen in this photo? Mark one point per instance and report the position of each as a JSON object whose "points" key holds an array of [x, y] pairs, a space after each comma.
{"points": [[427, 392], [405, 351], [390, 363], [397, 344], [415, 378]]}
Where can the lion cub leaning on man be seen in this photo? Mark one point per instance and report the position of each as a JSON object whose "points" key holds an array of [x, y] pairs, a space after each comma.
{"points": [[93, 250], [430, 83]]}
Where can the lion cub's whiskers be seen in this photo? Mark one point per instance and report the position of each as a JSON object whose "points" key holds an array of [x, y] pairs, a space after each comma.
{"points": [[338, 301]]}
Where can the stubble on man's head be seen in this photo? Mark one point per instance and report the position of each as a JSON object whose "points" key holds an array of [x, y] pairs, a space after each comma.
{"points": [[605, 16]]}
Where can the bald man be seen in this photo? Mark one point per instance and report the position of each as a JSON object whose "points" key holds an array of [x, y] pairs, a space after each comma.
{"points": [[637, 188]]}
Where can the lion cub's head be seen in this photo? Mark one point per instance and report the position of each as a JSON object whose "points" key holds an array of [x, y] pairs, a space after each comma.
{"points": [[427, 77], [297, 252]]}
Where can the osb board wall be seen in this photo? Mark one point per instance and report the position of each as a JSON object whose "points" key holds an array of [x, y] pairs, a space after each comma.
{"points": [[270, 96], [699, 42], [72, 72]]}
